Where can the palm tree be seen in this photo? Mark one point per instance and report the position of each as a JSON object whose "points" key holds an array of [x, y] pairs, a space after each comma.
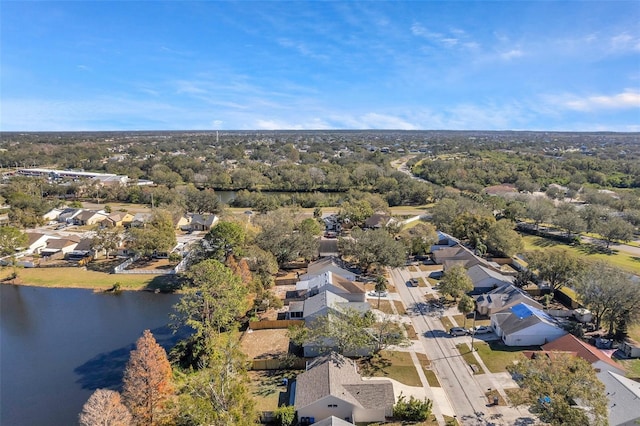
{"points": [[381, 285]]}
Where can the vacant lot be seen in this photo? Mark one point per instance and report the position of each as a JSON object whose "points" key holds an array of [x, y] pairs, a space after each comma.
{"points": [[265, 344], [497, 356]]}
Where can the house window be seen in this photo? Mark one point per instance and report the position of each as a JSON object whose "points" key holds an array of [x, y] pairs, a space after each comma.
{"points": [[332, 405]]}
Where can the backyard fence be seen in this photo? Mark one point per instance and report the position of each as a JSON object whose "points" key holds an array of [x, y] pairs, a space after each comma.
{"points": [[278, 364], [262, 325]]}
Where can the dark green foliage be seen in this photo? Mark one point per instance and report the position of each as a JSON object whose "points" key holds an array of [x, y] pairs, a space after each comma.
{"points": [[413, 410]]}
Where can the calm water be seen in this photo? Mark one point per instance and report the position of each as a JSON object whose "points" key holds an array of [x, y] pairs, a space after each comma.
{"points": [[58, 345]]}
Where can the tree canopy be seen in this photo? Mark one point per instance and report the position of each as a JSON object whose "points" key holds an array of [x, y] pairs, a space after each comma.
{"points": [[557, 266], [455, 282], [562, 389], [373, 247]]}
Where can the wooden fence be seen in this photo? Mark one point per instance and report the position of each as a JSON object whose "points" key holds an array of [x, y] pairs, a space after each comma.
{"points": [[262, 325], [278, 364]]}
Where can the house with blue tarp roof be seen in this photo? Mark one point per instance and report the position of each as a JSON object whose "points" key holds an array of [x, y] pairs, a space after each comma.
{"points": [[524, 325]]}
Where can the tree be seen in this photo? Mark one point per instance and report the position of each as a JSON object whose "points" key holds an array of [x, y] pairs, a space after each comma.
{"points": [[105, 408], [355, 212], [342, 330], [11, 239], [608, 293], [157, 236], [568, 219], [381, 285], [214, 299], [472, 226], [310, 226], [539, 209], [557, 266], [466, 305], [282, 235], [443, 214], [615, 228], [592, 215], [224, 239], [412, 410], [285, 415], [147, 382], [107, 239], [371, 247], [455, 282], [419, 238], [553, 387], [503, 240], [217, 394]]}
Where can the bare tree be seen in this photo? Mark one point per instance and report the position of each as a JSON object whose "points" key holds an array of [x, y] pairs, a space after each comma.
{"points": [[105, 408]]}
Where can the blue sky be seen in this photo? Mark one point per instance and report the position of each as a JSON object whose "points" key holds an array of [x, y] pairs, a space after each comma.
{"points": [[127, 65]]}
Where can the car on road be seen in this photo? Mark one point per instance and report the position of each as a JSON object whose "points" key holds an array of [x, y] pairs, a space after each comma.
{"points": [[458, 331], [413, 282], [482, 329]]}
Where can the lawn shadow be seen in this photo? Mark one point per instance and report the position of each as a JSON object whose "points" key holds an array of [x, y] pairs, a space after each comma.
{"points": [[545, 242], [635, 258], [590, 248], [164, 284]]}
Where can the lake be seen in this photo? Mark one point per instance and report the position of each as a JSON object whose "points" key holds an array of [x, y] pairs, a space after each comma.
{"points": [[58, 345]]}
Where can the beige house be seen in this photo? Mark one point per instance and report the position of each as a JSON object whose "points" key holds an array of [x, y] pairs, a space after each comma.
{"points": [[117, 219], [332, 386]]}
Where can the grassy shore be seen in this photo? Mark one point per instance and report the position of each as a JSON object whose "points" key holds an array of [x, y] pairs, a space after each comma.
{"points": [[82, 278]]}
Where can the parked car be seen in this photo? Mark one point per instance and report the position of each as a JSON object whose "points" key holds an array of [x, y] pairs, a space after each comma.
{"points": [[378, 294], [482, 329], [458, 331], [412, 283]]}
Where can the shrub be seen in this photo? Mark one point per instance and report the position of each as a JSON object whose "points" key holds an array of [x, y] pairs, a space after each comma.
{"points": [[412, 410], [285, 415]]}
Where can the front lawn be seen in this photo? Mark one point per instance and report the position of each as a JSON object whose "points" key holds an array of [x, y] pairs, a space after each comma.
{"points": [[393, 365], [468, 357], [447, 323], [497, 356]]}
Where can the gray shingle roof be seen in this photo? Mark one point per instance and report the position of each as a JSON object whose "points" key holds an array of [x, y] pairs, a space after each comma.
{"points": [[336, 375]]}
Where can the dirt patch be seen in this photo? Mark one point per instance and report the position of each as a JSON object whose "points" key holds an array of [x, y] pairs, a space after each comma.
{"points": [[265, 344], [152, 264]]}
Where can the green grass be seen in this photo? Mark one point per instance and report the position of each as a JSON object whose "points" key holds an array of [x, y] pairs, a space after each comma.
{"points": [[469, 358], [393, 365], [620, 259], [267, 389], [632, 366], [81, 278], [421, 282], [399, 307], [460, 320], [447, 323], [497, 356], [432, 379]]}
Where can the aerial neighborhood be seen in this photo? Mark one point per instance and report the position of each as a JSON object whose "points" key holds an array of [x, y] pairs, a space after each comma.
{"points": [[343, 285]]}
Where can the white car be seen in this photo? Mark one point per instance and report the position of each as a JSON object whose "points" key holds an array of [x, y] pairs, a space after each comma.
{"points": [[483, 329], [378, 294]]}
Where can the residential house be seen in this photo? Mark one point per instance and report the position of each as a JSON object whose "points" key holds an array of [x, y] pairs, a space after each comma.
{"points": [[328, 281], [140, 220], [117, 219], [325, 265], [58, 247], [182, 223], [202, 223], [52, 215], [444, 241], [594, 356], [332, 386], [68, 214], [503, 298], [322, 304], [89, 217], [332, 421], [485, 279], [378, 220], [35, 242], [328, 248], [524, 325], [623, 394]]}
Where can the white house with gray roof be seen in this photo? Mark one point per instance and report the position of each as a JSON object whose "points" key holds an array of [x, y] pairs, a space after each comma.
{"points": [[485, 279], [502, 298], [332, 386], [330, 281], [624, 397], [328, 264], [523, 325]]}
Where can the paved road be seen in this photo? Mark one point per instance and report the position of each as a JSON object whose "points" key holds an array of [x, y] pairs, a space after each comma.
{"points": [[464, 396]]}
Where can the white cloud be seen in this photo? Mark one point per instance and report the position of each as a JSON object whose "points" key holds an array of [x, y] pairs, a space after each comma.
{"points": [[628, 99], [511, 54], [625, 42]]}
